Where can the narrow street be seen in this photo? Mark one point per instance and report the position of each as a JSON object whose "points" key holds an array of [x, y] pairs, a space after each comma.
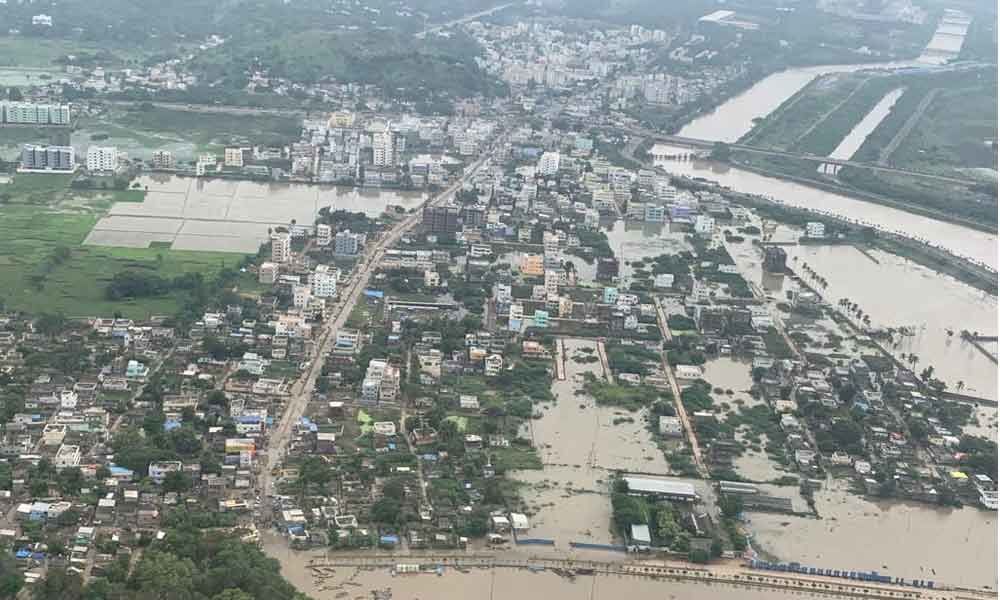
{"points": [[302, 391]]}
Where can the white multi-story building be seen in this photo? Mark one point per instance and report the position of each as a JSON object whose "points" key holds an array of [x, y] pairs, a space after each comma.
{"points": [[324, 281], [324, 234], [548, 164], [102, 159], [34, 113], [233, 157], [281, 247], [268, 273], [301, 295], [384, 148], [815, 229], [163, 159], [551, 282], [704, 225], [348, 243], [48, 158], [41, 20]]}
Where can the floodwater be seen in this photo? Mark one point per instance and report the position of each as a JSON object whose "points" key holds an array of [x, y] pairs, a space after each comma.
{"points": [[853, 140], [735, 117], [896, 292], [732, 374], [350, 583], [963, 241], [905, 540], [580, 445], [229, 215]]}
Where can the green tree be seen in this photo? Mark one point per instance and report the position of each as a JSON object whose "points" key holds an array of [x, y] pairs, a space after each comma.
{"points": [[233, 594], [176, 481], [164, 576], [59, 584]]}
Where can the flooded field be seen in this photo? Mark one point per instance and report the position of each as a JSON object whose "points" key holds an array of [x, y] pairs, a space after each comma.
{"points": [[226, 215], [986, 425], [906, 540], [579, 444]]}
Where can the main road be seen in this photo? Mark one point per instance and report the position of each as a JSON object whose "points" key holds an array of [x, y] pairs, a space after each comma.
{"points": [[302, 390]]}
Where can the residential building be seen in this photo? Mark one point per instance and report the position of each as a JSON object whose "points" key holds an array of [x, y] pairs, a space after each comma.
{"points": [[348, 243], [32, 113], [664, 280], [432, 279], [384, 148], [493, 365], [324, 234], [541, 319], [301, 295], [268, 273], [815, 229], [102, 159], [611, 295], [163, 159], [533, 265], [774, 259], [548, 164], [158, 470], [442, 219], [515, 318], [704, 225], [324, 281], [47, 158], [281, 247], [233, 157]]}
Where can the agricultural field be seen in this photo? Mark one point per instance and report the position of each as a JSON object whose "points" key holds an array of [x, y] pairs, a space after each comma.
{"points": [[45, 269]]}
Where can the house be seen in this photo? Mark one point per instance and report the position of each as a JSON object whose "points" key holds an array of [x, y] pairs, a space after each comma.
{"points": [[639, 538], [158, 471], [670, 426], [493, 365]]}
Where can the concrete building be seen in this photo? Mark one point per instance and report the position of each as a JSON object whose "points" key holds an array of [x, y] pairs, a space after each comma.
{"points": [[384, 148], [548, 164], [281, 247], [47, 158], [163, 159], [301, 295], [815, 229], [102, 159], [31, 113], [268, 273], [774, 259], [348, 243], [532, 265], [704, 225], [324, 281], [493, 365], [442, 219], [233, 157], [324, 234]]}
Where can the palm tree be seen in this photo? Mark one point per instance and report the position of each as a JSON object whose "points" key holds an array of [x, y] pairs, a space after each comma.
{"points": [[960, 385]]}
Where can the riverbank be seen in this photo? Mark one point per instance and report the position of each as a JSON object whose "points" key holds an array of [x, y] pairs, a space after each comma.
{"points": [[920, 253], [853, 192]]}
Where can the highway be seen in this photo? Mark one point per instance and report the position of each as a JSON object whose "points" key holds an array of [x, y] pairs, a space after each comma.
{"points": [[302, 391], [465, 19]]}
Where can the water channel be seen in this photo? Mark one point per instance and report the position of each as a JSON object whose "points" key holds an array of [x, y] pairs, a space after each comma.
{"points": [[735, 118], [853, 140]]}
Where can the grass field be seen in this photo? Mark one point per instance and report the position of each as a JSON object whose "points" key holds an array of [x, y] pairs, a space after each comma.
{"points": [[41, 219], [207, 129], [41, 53], [952, 131], [793, 119]]}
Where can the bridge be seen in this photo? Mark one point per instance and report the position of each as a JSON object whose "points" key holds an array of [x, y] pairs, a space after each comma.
{"points": [[826, 164]]}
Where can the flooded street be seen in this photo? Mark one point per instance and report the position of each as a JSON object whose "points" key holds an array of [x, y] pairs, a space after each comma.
{"points": [[906, 540]]}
